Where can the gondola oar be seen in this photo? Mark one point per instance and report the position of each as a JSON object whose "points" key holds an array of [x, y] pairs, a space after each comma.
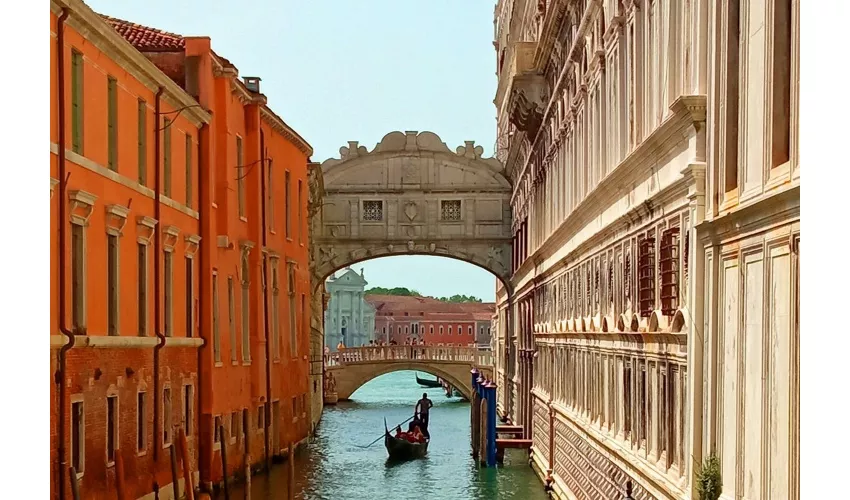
{"points": [[385, 432]]}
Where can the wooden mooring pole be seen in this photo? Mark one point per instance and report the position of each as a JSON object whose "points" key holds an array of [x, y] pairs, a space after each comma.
{"points": [[175, 477], [75, 484], [247, 477], [222, 439], [187, 465]]}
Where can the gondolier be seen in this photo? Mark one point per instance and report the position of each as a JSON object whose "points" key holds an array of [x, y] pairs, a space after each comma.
{"points": [[423, 406]]}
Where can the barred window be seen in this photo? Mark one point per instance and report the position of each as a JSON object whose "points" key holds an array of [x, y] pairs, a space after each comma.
{"points": [[450, 210], [669, 262], [646, 276], [373, 210]]}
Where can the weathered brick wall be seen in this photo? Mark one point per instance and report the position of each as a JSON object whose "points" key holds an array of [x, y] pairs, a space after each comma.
{"points": [[96, 372]]}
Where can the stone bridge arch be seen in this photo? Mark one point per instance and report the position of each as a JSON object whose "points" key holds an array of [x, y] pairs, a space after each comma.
{"points": [[410, 195], [349, 378]]}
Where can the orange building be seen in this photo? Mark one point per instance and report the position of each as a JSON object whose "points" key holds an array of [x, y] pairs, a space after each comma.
{"points": [[402, 318], [183, 194]]}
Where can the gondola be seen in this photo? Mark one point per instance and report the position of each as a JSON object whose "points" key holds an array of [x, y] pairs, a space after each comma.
{"points": [[424, 382], [401, 449]]}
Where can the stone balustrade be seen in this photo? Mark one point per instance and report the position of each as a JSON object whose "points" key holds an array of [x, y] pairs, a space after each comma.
{"points": [[477, 356]]}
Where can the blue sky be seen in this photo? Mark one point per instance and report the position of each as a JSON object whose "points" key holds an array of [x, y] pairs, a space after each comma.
{"points": [[339, 70]]}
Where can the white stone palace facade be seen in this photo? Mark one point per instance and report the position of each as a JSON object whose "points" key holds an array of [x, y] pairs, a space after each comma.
{"points": [[349, 318], [652, 315]]}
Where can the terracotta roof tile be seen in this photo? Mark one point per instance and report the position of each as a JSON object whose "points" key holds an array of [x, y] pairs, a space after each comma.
{"points": [[145, 38]]}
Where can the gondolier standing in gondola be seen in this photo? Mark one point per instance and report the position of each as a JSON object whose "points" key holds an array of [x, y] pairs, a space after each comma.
{"points": [[422, 409]]}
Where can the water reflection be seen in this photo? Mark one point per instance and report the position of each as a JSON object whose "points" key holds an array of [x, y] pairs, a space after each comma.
{"points": [[337, 464]]}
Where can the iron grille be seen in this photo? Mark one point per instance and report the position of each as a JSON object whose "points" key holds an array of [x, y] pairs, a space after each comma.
{"points": [[646, 276]]}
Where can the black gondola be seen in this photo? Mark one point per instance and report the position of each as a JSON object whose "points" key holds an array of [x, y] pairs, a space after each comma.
{"points": [[402, 449], [424, 382]]}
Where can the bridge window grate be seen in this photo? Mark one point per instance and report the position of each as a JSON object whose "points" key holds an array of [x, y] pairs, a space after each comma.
{"points": [[373, 210], [450, 210]]}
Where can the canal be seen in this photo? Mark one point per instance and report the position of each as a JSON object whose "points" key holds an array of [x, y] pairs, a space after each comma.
{"points": [[336, 466]]}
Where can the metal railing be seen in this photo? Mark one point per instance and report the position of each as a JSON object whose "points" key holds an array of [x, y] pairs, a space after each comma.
{"points": [[474, 355]]}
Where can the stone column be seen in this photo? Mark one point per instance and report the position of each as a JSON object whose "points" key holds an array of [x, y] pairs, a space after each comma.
{"points": [[338, 329]]}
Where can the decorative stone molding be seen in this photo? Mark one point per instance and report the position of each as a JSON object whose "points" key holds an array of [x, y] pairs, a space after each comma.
{"points": [[116, 219], [278, 125], [170, 237], [82, 205], [246, 245], [53, 184], [526, 103], [192, 242], [145, 227]]}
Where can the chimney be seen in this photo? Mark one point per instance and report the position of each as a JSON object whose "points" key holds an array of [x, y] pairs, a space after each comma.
{"points": [[253, 83], [361, 273]]}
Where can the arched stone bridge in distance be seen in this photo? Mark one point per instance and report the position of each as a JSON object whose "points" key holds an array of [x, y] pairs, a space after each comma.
{"points": [[353, 367]]}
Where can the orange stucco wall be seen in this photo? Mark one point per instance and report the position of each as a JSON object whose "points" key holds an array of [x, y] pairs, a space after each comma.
{"points": [[125, 368]]}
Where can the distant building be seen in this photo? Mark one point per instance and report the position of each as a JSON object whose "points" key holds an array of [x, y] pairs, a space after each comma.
{"points": [[401, 318], [349, 318]]}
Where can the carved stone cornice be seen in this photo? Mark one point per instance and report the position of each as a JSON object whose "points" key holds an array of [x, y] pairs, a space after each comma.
{"points": [[116, 219], [192, 242], [526, 103], [280, 126], [82, 205], [53, 184], [694, 106], [145, 227]]}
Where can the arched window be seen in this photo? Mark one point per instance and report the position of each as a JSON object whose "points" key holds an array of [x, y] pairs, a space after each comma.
{"points": [[431, 330], [450, 329]]}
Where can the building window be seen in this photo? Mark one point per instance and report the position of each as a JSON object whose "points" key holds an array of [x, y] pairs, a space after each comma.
{"points": [[294, 408], [142, 142], [261, 418], [231, 318], [189, 170], [275, 310], [246, 427], [669, 262], [730, 97], [304, 314], [78, 436], [217, 430], [143, 289], [77, 98], [234, 426], [441, 329], [627, 398], [78, 284], [246, 310], [190, 297], [141, 422], [215, 320], [300, 211], [112, 284], [112, 123], [450, 210], [166, 417], [111, 428], [783, 37], [241, 172], [188, 407], [450, 329], [286, 201], [373, 210], [646, 276], [166, 157], [270, 206], [431, 329], [469, 330], [293, 340], [169, 293], [406, 330]]}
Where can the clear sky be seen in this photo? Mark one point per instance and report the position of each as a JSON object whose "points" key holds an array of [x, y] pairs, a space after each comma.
{"points": [[341, 70]]}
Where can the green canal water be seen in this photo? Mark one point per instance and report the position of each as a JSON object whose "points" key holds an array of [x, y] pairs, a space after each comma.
{"points": [[335, 466]]}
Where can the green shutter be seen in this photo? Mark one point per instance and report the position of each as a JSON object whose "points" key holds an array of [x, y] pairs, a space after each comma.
{"points": [[112, 122], [166, 162], [188, 170], [143, 143], [76, 102]]}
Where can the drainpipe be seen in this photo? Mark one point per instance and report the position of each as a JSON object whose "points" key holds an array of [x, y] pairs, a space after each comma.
{"points": [[266, 420], [157, 247], [61, 379], [203, 204]]}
